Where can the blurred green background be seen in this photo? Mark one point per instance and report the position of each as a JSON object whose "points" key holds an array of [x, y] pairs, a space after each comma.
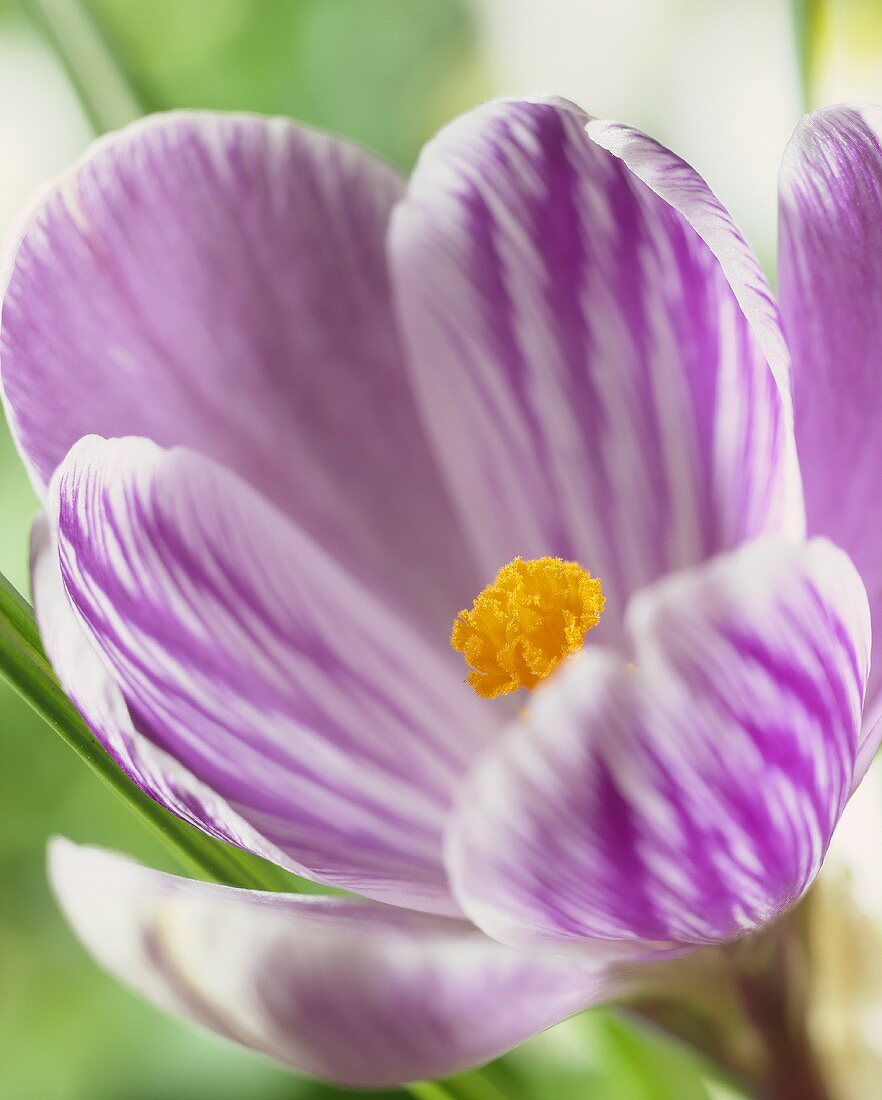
{"points": [[717, 79]]}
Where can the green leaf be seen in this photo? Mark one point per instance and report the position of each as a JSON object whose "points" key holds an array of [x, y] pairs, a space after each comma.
{"points": [[601, 1055]]}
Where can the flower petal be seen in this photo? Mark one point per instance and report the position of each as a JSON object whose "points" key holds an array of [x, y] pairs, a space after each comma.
{"points": [[688, 795], [343, 989], [830, 285], [245, 653], [592, 351], [220, 282], [686, 192], [99, 699]]}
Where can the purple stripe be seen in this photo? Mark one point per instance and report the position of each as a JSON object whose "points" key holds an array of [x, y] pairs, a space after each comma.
{"points": [[689, 795], [594, 385]]}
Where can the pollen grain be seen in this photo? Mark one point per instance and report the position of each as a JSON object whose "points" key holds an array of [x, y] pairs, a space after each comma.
{"points": [[523, 625]]}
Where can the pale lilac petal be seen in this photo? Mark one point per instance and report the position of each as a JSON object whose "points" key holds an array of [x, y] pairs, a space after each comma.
{"points": [[245, 653], [830, 287], [596, 355], [99, 699], [871, 738], [686, 192], [342, 989], [220, 282], [686, 795]]}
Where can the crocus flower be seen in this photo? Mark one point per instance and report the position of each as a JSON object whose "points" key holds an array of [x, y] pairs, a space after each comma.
{"points": [[291, 415]]}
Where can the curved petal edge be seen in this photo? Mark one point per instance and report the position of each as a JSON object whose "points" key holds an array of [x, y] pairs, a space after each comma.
{"points": [[346, 990], [830, 289], [234, 268], [93, 691], [595, 350], [686, 793], [270, 674]]}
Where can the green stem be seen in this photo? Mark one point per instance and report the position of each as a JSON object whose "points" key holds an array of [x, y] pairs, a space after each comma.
{"points": [[744, 1007], [808, 17], [97, 70]]}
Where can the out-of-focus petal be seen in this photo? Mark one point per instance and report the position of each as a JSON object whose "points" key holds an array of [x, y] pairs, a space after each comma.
{"points": [[830, 287], [871, 737], [220, 282], [687, 795], [343, 989], [244, 652], [595, 348]]}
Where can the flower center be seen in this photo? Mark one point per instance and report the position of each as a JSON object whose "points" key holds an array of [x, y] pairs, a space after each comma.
{"points": [[523, 625]]}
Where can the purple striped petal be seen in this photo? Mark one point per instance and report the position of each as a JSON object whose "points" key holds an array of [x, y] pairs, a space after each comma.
{"points": [[98, 698], [688, 795], [686, 192], [592, 344], [242, 651], [343, 989], [830, 284], [220, 282]]}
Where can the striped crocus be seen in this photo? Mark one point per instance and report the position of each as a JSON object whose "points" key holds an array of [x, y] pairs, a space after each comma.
{"points": [[298, 424]]}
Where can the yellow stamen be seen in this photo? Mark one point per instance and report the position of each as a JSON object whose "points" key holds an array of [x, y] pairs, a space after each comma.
{"points": [[523, 625]]}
